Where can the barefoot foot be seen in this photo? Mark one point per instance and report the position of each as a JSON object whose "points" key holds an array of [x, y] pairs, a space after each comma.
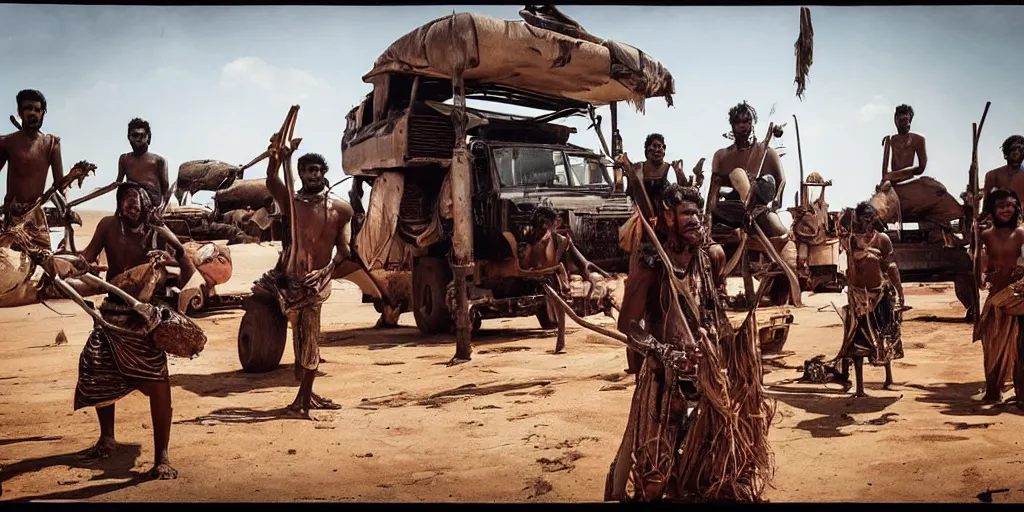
{"points": [[318, 402], [103, 449], [163, 471]]}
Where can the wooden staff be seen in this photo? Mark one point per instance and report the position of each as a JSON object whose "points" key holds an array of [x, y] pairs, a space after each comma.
{"points": [[975, 207], [800, 158], [885, 158]]}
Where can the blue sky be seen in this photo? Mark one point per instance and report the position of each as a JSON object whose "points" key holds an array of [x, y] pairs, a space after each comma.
{"points": [[215, 82]]}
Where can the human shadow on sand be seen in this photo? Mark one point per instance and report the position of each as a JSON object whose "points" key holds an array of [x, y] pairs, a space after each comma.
{"points": [[118, 466], [380, 339], [939, 319], [16, 440], [959, 400], [836, 412], [239, 416], [223, 384]]}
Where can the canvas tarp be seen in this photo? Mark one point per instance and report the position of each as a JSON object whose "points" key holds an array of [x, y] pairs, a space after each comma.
{"points": [[374, 239], [520, 56]]}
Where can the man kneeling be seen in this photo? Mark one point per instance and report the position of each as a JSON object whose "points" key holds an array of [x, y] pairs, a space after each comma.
{"points": [[114, 364]]}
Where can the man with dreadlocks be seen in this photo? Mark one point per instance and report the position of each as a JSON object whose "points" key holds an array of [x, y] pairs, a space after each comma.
{"points": [[1008, 176], [692, 360], [322, 222], [141, 165], [736, 167], [872, 319], [1000, 325], [113, 364]]}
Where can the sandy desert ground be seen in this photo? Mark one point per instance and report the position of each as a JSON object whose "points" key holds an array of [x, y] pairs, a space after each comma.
{"points": [[539, 427]]}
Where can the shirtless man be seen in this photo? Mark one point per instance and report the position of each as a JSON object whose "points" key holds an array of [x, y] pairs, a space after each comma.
{"points": [[904, 146], [744, 153], [113, 365], [871, 325], [141, 165], [30, 153], [322, 221], [736, 167], [999, 329], [1008, 176], [655, 169]]}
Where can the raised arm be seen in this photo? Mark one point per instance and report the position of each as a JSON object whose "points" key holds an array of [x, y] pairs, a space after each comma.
{"points": [[278, 190]]}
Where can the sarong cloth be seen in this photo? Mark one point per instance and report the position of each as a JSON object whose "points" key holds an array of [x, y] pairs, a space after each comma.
{"points": [[1002, 337], [303, 311], [21, 245], [871, 327], [113, 364]]}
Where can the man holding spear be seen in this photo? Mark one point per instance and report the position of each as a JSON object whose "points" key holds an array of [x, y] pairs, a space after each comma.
{"points": [[302, 278]]}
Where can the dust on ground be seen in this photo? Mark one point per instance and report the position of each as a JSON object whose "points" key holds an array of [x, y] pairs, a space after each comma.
{"points": [[516, 424]]}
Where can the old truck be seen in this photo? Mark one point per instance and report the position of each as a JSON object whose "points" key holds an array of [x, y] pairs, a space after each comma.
{"points": [[453, 187]]}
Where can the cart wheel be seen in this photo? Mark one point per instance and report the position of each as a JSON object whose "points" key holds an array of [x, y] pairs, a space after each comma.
{"points": [[262, 335]]}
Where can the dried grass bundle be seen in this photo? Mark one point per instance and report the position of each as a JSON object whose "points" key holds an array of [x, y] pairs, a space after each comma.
{"points": [[804, 51]]}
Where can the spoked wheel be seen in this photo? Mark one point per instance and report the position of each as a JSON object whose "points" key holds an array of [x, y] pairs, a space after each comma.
{"points": [[262, 335]]}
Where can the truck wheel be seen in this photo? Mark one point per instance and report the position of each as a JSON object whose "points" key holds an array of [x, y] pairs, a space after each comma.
{"points": [[262, 335], [545, 321], [430, 278]]}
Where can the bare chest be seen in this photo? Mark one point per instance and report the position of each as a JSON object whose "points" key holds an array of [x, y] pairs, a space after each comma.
{"points": [[143, 169], [28, 155], [748, 159]]}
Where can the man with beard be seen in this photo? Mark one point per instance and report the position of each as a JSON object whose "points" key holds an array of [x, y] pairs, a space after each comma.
{"points": [[114, 364], [322, 221], [872, 319], [1009, 176], [141, 165], [1000, 326], [736, 166], [29, 153], [691, 362]]}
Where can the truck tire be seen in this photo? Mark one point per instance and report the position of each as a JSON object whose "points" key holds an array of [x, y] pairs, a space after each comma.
{"points": [[262, 335], [430, 278], [543, 318]]}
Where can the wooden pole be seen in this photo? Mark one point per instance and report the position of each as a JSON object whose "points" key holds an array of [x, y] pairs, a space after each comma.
{"points": [[800, 158], [462, 212]]}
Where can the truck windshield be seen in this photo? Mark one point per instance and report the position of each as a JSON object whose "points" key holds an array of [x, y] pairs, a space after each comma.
{"points": [[540, 166]]}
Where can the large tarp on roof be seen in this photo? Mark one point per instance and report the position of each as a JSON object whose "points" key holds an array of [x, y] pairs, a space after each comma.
{"points": [[521, 56]]}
